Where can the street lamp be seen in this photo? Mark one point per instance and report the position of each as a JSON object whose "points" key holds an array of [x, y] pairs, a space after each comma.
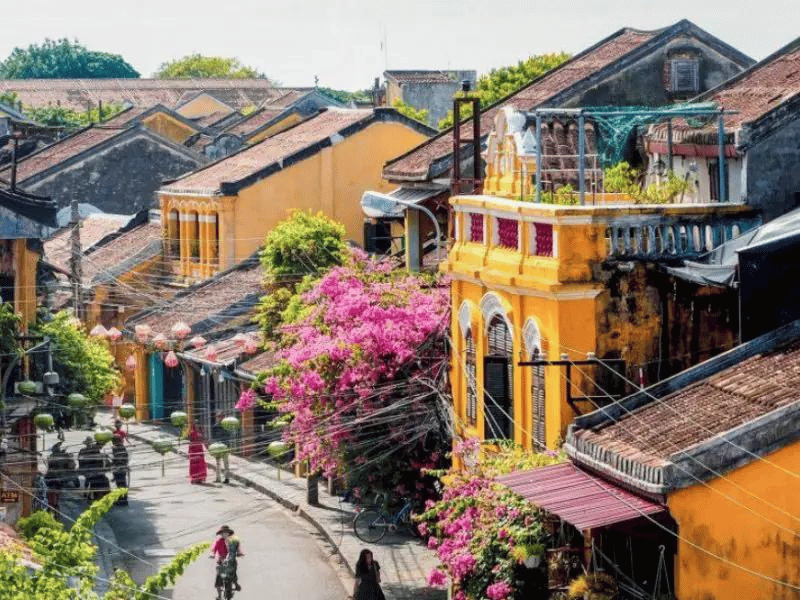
{"points": [[377, 203]]}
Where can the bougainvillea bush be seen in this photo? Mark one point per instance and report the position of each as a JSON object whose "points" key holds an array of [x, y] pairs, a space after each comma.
{"points": [[363, 375], [481, 531]]}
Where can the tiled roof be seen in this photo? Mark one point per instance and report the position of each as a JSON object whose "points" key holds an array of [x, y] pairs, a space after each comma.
{"points": [[76, 93], [211, 119], [228, 350], [699, 423], [122, 253], [58, 248], [416, 163], [256, 120], [287, 99], [224, 301], [126, 116], [717, 404], [416, 76], [751, 94], [260, 362], [53, 154], [274, 149]]}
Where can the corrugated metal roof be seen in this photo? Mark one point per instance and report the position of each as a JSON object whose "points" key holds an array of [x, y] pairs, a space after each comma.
{"points": [[577, 497], [376, 206]]}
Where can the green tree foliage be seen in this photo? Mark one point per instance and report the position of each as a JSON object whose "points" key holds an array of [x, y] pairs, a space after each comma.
{"points": [[624, 179], [84, 364], [303, 244], [499, 83], [58, 116], [9, 99], [66, 557], [411, 112], [55, 59], [199, 65], [345, 96]]}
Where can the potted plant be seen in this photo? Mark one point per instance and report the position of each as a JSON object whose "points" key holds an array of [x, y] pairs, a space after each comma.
{"points": [[593, 586]]}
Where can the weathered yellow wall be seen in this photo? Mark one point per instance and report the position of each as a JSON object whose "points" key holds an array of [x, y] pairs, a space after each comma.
{"points": [[202, 106], [169, 128], [282, 125], [25, 282], [331, 181], [709, 520]]}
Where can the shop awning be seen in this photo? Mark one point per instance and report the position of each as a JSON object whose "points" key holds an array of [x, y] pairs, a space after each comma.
{"points": [[577, 497], [377, 206]]}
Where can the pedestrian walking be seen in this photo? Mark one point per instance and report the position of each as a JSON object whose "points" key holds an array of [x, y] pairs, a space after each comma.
{"points": [[197, 457], [119, 466], [220, 434], [368, 578], [120, 432]]}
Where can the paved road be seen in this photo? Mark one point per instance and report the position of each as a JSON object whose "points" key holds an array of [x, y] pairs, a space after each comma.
{"points": [[285, 557]]}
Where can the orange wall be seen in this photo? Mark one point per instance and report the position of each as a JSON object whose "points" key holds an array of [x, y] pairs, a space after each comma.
{"points": [[738, 534]]}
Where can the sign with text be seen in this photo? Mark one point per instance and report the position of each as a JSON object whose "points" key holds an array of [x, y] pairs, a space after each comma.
{"points": [[9, 497]]}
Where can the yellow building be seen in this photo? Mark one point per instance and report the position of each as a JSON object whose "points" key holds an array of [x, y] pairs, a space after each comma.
{"points": [[717, 448], [536, 281], [219, 215]]}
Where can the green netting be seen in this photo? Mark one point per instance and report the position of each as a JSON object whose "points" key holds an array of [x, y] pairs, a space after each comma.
{"points": [[615, 124]]}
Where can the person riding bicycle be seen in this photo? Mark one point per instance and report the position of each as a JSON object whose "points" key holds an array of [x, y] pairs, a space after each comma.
{"points": [[227, 548]]}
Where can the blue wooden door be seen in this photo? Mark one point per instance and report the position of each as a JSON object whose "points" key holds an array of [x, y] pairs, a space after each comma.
{"points": [[156, 386]]}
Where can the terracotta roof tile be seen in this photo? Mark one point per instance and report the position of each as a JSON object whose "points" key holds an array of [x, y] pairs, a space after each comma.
{"points": [[58, 248], [728, 399], [228, 350], [752, 94], [123, 252], [276, 148], [417, 162], [256, 120], [416, 76], [57, 152], [220, 302], [260, 362], [76, 93]]}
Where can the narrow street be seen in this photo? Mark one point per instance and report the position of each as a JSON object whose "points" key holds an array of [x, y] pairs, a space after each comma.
{"points": [[285, 557]]}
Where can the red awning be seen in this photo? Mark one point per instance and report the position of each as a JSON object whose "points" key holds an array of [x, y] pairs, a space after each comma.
{"points": [[577, 497]]}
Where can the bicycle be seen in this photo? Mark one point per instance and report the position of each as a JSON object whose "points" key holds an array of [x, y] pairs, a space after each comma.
{"points": [[372, 523]]}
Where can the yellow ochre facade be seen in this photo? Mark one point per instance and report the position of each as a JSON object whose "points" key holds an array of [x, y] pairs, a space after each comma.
{"points": [[209, 233], [748, 519]]}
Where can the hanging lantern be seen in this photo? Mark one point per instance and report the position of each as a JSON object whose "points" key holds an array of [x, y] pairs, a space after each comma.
{"points": [[160, 341], [77, 400], [142, 332], [127, 411], [218, 450], [98, 331], [179, 418], [162, 446], [180, 330], [211, 353], [27, 387], [277, 448], [103, 436], [114, 334], [250, 346], [43, 421], [171, 360], [130, 364], [198, 341], [230, 423]]}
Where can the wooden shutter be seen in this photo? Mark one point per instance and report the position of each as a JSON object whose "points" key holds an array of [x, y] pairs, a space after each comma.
{"points": [[538, 404], [685, 75], [496, 401], [472, 392]]}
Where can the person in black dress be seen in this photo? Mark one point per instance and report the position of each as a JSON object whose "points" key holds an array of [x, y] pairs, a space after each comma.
{"points": [[368, 578]]}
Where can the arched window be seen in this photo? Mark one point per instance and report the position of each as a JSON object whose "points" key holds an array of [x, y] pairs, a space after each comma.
{"points": [[498, 381], [533, 346], [469, 375]]}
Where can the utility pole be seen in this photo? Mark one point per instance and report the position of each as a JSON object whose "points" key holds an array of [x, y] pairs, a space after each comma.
{"points": [[75, 258]]}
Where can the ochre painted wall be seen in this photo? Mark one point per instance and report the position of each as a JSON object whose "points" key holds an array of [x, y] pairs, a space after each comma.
{"points": [[737, 533], [25, 282], [202, 106], [275, 128], [169, 128], [331, 181]]}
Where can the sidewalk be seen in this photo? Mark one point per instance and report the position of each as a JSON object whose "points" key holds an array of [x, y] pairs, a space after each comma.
{"points": [[405, 562]]}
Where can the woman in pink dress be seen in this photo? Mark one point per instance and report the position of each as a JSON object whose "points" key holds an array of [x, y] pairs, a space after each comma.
{"points": [[197, 458]]}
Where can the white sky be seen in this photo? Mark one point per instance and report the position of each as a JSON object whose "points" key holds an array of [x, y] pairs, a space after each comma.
{"points": [[340, 40]]}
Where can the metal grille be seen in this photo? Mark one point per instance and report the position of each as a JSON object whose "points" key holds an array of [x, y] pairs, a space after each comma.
{"points": [[508, 233], [538, 404], [476, 228], [472, 392]]}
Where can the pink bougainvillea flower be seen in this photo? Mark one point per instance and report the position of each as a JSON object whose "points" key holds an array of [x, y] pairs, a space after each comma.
{"points": [[436, 578], [499, 591], [246, 400]]}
